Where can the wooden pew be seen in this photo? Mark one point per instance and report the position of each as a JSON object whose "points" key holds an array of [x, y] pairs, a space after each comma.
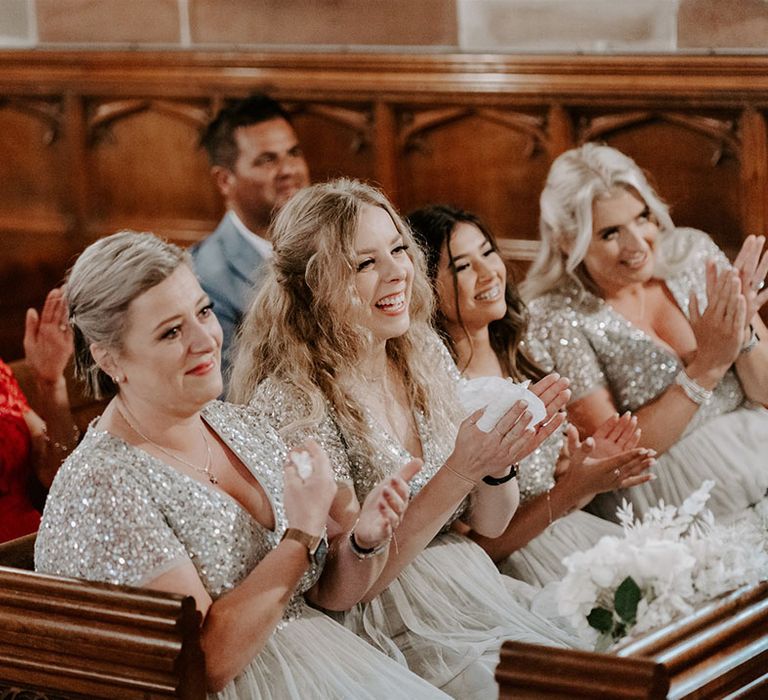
{"points": [[719, 651], [64, 638]]}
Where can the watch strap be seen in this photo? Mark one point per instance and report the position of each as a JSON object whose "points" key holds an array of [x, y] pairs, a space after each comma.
{"points": [[311, 542], [498, 481]]}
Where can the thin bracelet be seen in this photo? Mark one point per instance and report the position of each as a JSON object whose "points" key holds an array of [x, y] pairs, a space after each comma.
{"points": [[693, 390], [754, 339], [549, 504], [460, 475]]}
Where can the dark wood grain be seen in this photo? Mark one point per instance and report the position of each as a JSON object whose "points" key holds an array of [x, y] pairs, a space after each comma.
{"points": [[92, 142]]}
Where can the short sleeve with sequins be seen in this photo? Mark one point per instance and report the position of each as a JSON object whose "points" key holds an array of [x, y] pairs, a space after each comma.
{"points": [[557, 320], [100, 521]]}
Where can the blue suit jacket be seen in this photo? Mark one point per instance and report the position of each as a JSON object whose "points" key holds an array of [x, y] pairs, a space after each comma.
{"points": [[229, 270]]}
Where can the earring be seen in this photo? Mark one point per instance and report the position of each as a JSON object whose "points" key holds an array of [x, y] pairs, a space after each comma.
{"points": [[117, 379]]}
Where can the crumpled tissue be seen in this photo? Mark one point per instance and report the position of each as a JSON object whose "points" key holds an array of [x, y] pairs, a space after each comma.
{"points": [[497, 396]]}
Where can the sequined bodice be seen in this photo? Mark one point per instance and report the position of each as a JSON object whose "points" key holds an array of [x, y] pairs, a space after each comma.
{"points": [[595, 346], [118, 514], [283, 406]]}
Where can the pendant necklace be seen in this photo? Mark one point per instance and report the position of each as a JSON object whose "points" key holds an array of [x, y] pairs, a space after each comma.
{"points": [[206, 469]]}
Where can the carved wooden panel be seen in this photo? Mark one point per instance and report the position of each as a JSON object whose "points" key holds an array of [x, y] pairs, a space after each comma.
{"points": [[33, 215], [94, 141], [30, 167], [146, 169], [692, 157], [336, 139], [13, 693], [490, 161]]}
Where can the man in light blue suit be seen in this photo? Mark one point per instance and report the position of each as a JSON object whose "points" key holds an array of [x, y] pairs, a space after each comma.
{"points": [[257, 164]]}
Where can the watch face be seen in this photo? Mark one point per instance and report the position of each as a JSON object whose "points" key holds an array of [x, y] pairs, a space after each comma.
{"points": [[320, 553]]}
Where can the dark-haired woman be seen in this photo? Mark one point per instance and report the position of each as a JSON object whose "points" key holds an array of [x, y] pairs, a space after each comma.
{"points": [[483, 321]]}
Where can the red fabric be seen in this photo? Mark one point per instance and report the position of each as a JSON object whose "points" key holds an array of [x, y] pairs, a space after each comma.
{"points": [[17, 514]]}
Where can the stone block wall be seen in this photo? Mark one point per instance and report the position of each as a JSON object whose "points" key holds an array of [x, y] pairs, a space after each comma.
{"points": [[515, 26]]}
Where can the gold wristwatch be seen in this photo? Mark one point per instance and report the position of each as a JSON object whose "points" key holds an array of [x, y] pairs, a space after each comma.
{"points": [[317, 545]]}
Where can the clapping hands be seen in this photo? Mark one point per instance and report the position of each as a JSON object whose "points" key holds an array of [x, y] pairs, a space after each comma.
{"points": [[478, 454], [48, 338], [751, 264], [720, 328], [384, 507], [308, 496], [608, 460]]}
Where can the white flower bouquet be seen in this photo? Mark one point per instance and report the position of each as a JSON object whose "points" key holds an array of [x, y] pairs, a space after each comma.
{"points": [[664, 566]]}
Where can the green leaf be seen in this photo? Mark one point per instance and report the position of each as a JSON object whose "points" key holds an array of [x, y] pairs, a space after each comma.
{"points": [[626, 598], [601, 619]]}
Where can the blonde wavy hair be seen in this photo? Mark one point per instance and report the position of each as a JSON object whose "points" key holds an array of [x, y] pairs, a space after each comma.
{"points": [[303, 328], [575, 180]]}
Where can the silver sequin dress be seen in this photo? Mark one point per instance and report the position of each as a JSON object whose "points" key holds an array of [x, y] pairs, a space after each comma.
{"points": [[540, 561], [448, 612], [596, 347], [119, 515]]}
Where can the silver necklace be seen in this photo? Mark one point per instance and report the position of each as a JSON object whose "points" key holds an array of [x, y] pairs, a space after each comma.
{"points": [[208, 460]]}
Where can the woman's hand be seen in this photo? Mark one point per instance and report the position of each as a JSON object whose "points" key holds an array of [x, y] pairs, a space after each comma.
{"points": [[719, 330], [617, 434], [48, 338], [751, 264], [345, 508], [307, 500], [384, 507], [553, 391], [478, 454], [588, 475]]}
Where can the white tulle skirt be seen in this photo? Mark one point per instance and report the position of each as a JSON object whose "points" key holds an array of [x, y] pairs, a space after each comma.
{"points": [[315, 657], [731, 449], [447, 615], [541, 560]]}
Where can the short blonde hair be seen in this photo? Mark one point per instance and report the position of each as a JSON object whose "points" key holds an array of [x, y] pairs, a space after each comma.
{"points": [[105, 279]]}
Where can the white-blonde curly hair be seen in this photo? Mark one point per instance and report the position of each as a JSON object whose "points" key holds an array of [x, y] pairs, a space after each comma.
{"points": [[303, 328], [575, 180]]}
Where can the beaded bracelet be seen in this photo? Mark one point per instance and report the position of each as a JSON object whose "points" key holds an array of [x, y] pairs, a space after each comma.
{"points": [[693, 390], [62, 446]]}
